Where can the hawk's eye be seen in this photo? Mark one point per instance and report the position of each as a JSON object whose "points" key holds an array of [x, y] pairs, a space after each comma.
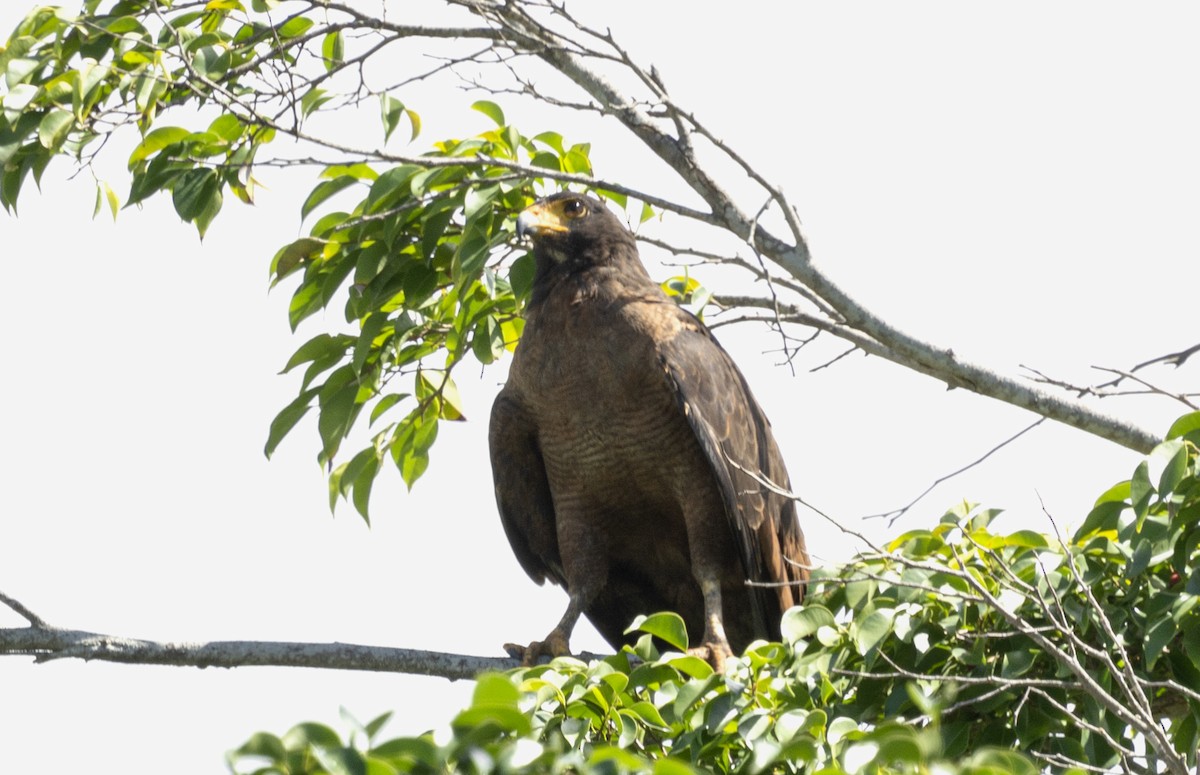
{"points": [[574, 208]]}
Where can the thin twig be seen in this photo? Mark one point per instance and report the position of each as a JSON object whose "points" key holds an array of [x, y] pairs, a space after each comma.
{"points": [[895, 514]]}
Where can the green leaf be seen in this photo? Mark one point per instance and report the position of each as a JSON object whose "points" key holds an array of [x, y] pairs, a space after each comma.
{"points": [[1175, 467], [794, 722], [357, 477], [552, 139], [265, 745], [333, 50], [487, 341], [310, 734], [620, 200], [18, 98], [228, 127], [666, 625], [18, 69], [54, 128], [156, 141], [386, 403], [415, 436], [473, 252], [839, 728], [323, 191], [1157, 638], [491, 110], [477, 199], [392, 186], [373, 726], [690, 665], [339, 407], [192, 190], [648, 714], [577, 162], [495, 701], [495, 689], [869, 631], [391, 109], [362, 489], [312, 101], [321, 346], [546, 160], [800, 623], [287, 419], [290, 256], [104, 193], [1141, 491], [358, 171], [439, 383], [1027, 538], [197, 197], [417, 749], [295, 27], [521, 274], [212, 62], [372, 325], [1185, 425], [1140, 560], [414, 119]]}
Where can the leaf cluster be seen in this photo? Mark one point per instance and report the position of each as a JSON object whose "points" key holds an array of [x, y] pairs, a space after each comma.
{"points": [[417, 254], [72, 79], [1067, 649], [640, 711]]}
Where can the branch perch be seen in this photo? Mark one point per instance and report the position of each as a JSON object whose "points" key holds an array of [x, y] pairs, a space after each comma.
{"points": [[47, 643]]}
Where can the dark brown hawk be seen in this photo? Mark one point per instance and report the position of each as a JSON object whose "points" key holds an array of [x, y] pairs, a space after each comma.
{"points": [[628, 451]]}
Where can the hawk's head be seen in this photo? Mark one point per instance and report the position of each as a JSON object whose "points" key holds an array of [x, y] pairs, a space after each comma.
{"points": [[575, 230]]}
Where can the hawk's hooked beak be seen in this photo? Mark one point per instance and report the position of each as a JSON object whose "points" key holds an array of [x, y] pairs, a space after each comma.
{"points": [[539, 219]]}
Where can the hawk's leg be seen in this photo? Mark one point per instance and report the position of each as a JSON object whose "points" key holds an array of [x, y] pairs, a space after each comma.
{"points": [[714, 646], [557, 643]]}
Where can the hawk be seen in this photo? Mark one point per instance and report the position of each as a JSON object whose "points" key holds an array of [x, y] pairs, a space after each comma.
{"points": [[629, 456]]}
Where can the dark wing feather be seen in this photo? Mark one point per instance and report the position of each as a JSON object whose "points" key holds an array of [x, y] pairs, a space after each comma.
{"points": [[736, 438], [523, 492]]}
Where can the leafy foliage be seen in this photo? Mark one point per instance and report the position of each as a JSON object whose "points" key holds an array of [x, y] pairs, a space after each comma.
{"points": [[638, 711], [1063, 648], [949, 649], [415, 250]]}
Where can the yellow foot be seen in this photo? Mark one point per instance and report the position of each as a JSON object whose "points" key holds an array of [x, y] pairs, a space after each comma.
{"points": [[555, 645]]}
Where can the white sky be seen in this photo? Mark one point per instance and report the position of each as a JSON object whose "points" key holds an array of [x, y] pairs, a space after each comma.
{"points": [[1015, 181]]}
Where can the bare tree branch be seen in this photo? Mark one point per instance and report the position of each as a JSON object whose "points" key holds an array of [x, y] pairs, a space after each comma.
{"points": [[1153, 389], [519, 27], [1171, 359], [1108, 389], [47, 643]]}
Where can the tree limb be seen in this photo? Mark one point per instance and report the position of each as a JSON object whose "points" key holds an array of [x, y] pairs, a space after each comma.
{"points": [[517, 26], [47, 643]]}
